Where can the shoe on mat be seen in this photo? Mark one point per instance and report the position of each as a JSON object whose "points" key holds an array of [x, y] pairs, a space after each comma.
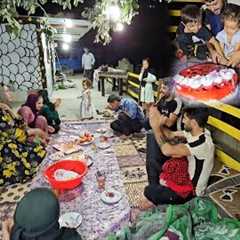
{"points": [[138, 135]]}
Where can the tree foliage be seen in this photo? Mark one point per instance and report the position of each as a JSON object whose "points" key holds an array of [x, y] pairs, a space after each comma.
{"points": [[96, 14]]}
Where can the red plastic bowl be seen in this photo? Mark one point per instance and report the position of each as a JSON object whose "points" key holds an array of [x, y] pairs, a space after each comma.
{"points": [[73, 165]]}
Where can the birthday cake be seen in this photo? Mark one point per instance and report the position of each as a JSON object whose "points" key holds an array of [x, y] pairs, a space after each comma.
{"points": [[206, 81]]}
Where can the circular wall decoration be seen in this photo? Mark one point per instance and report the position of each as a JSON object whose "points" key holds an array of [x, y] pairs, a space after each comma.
{"points": [[4, 48], [5, 60], [15, 58], [13, 68], [11, 47], [21, 51], [19, 58]]}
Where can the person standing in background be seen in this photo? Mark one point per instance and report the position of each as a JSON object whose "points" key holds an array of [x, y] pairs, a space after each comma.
{"points": [[147, 79], [86, 105], [88, 61]]}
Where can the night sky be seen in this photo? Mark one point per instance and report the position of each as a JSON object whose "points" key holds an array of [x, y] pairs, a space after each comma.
{"points": [[147, 36]]}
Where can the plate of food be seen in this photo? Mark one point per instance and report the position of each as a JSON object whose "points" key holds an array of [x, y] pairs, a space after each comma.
{"points": [[76, 156], [104, 145], [70, 220], [80, 156], [111, 196], [56, 156], [101, 130], [85, 139], [68, 148]]}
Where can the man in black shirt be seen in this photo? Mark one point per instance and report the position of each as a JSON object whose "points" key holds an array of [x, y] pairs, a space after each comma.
{"points": [[168, 105]]}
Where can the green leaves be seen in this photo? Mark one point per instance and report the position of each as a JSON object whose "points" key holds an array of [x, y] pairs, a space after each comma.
{"points": [[97, 14], [13, 26]]}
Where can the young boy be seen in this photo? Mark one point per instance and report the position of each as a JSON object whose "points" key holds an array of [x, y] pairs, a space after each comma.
{"points": [[193, 38]]}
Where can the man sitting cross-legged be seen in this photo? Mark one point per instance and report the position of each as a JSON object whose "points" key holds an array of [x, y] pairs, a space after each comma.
{"points": [[168, 183]]}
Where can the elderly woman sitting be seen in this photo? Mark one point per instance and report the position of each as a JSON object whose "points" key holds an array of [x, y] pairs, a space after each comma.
{"points": [[19, 156], [31, 113]]}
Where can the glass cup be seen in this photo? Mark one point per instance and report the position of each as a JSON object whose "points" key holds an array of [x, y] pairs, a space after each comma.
{"points": [[101, 180]]}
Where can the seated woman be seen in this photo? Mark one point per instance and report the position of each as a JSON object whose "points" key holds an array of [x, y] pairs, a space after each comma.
{"points": [[19, 157], [30, 112], [49, 110], [25, 227]]}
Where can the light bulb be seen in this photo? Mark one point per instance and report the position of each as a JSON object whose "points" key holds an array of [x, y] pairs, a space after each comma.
{"points": [[67, 38], [68, 23], [113, 13], [65, 46], [119, 27]]}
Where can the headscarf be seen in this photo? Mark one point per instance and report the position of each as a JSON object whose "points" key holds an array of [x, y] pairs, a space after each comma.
{"points": [[36, 218], [46, 101], [31, 102]]}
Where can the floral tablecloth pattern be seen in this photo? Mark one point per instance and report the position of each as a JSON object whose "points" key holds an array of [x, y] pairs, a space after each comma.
{"points": [[99, 219]]}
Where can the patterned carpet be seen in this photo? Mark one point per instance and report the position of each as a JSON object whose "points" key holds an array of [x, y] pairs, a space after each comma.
{"points": [[131, 158], [224, 184], [223, 187], [224, 190], [14, 193], [227, 200], [221, 177]]}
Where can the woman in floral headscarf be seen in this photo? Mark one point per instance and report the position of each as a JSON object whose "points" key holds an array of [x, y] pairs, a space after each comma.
{"points": [[19, 158]]}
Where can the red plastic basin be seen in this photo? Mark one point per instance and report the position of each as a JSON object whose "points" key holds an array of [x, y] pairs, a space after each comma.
{"points": [[72, 165]]}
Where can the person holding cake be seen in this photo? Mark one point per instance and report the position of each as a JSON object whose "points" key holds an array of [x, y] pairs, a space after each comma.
{"points": [[193, 38]]}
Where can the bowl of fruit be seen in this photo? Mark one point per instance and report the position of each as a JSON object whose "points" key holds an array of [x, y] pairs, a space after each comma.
{"points": [[85, 139]]}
